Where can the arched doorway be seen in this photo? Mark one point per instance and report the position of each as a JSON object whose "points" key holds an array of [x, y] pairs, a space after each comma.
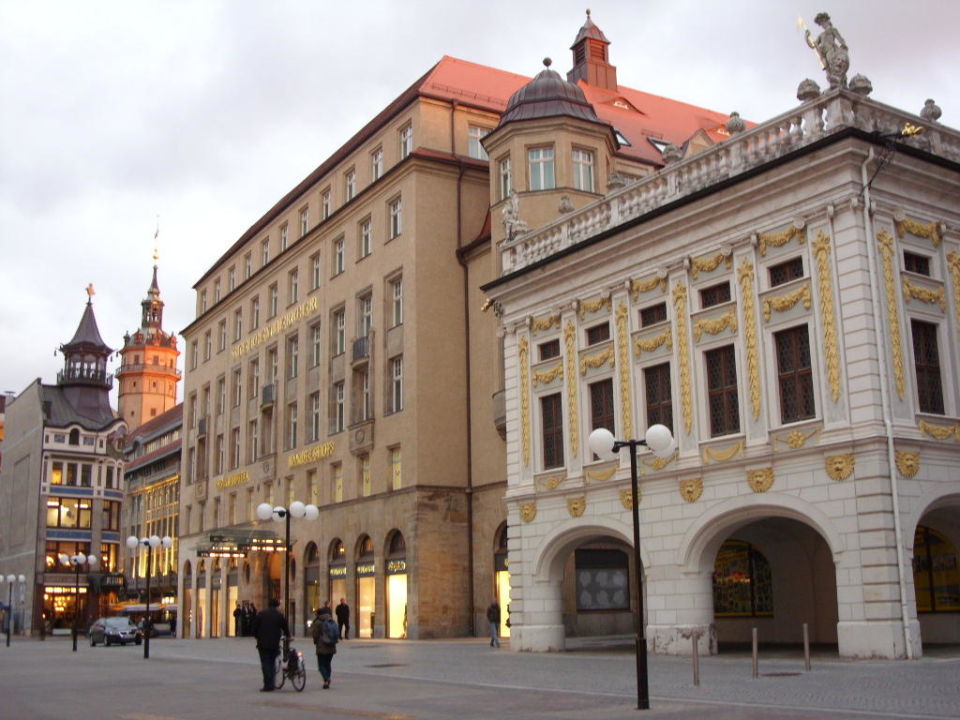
{"points": [[311, 578], [233, 599], [396, 574], [936, 572], [186, 614], [216, 612], [199, 626], [774, 574], [366, 587], [501, 577]]}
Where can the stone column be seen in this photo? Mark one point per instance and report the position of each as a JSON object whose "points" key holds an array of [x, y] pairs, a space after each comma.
{"points": [[679, 605], [537, 609]]}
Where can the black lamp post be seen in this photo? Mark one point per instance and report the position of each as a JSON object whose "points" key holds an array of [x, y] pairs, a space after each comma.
{"points": [[11, 578], [77, 560], [297, 509], [659, 439], [133, 542]]}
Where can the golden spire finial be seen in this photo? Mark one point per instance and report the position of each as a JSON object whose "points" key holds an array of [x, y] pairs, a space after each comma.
{"points": [[90, 291], [156, 234]]}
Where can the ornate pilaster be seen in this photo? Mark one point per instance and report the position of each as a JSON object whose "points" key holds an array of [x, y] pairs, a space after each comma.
{"points": [[893, 317], [745, 276], [573, 402], [623, 358], [821, 251], [523, 351], [686, 391]]}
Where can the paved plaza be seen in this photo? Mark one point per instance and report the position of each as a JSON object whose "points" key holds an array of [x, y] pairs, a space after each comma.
{"points": [[458, 680]]}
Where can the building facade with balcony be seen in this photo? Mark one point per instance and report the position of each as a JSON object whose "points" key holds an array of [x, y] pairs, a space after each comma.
{"points": [[787, 301], [61, 487], [340, 356]]}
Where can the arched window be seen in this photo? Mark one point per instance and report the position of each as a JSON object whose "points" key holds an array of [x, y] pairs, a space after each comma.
{"points": [[365, 548], [936, 578], [74, 437], [338, 553], [742, 583], [396, 547]]}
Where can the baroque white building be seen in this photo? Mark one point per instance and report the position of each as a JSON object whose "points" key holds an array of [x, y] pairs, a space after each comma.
{"points": [[788, 302]]}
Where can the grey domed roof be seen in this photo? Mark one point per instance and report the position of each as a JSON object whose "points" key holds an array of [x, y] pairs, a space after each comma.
{"points": [[548, 95]]}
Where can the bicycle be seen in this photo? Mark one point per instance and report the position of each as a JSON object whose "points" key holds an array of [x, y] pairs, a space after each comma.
{"points": [[290, 664]]}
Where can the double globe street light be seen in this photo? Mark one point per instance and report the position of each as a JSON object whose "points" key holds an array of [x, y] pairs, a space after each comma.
{"points": [[91, 561], [11, 578], [150, 543], [297, 509], [660, 440]]}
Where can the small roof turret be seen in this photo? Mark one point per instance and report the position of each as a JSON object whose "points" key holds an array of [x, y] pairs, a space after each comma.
{"points": [[548, 95]]}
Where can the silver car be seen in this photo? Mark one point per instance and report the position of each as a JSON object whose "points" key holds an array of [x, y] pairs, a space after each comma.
{"points": [[115, 630]]}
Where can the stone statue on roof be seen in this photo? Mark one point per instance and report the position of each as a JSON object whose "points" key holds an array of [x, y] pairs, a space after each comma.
{"points": [[832, 50], [512, 224]]}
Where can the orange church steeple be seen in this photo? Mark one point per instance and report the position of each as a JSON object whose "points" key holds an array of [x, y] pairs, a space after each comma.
{"points": [[148, 373]]}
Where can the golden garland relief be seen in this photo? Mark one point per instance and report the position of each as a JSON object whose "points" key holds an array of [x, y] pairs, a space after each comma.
{"points": [[787, 302], [545, 377], [523, 349], [601, 475], [953, 264], [638, 287], [623, 350], [780, 239], [931, 297], [590, 362], [929, 231], [686, 392], [709, 264], [539, 324], [939, 432], [592, 306], [714, 326], [724, 455]]}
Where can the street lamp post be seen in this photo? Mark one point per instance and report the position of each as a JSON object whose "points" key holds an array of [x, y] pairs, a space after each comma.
{"points": [[11, 578], [150, 543], [660, 440], [77, 560], [297, 509]]}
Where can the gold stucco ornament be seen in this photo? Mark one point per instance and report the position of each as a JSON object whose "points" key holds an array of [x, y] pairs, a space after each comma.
{"points": [[760, 480], [691, 489], [576, 506], [528, 511], [839, 467], [908, 463]]}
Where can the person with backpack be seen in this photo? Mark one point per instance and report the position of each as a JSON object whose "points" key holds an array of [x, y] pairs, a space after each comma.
{"points": [[493, 615], [325, 634]]}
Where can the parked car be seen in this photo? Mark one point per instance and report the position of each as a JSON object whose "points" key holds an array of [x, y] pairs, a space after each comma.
{"points": [[115, 630]]}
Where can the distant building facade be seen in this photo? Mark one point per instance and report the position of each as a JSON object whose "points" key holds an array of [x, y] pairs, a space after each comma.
{"points": [[61, 490]]}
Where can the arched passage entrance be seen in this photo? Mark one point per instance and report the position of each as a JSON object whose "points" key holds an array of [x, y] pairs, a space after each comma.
{"points": [[366, 571], [311, 579], [501, 578], [186, 613], [936, 571], [396, 581]]}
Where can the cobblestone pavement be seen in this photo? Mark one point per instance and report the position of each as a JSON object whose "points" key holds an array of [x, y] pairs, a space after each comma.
{"points": [[458, 680]]}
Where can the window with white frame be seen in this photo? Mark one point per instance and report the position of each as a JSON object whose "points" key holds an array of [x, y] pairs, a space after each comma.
{"points": [[376, 164], [237, 325], [396, 301], [396, 384], [396, 217], [583, 177], [315, 336], [366, 238], [366, 484], [396, 469], [264, 251], [304, 221], [237, 387], [505, 173], [293, 355], [475, 147], [338, 407], [339, 332], [203, 301], [364, 315], [293, 286], [326, 204], [273, 365], [216, 290], [253, 441], [314, 416], [234, 448], [291, 425], [254, 375], [541, 171], [255, 313], [222, 335], [284, 237], [207, 346], [315, 271], [338, 256], [247, 265], [194, 354], [231, 279], [221, 395], [926, 359], [273, 296], [658, 394], [406, 140], [350, 184]]}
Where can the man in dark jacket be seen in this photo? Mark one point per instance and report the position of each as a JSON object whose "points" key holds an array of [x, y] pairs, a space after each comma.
{"points": [[343, 619], [268, 627]]}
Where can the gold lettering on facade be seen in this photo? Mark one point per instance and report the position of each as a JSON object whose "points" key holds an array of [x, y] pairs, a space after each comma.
{"points": [[691, 489], [760, 480], [821, 251], [310, 455], [276, 327], [787, 302], [686, 391], [232, 480], [929, 231], [714, 326], [839, 467], [570, 336], [523, 349], [908, 463], [745, 276], [893, 316]]}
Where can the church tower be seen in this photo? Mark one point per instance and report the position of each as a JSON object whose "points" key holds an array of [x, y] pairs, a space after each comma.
{"points": [[148, 374]]}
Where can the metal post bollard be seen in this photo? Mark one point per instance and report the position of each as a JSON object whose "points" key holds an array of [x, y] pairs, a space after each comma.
{"points": [[756, 664], [696, 659], [806, 648]]}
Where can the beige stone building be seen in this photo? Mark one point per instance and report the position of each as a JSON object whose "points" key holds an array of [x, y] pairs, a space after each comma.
{"points": [[341, 356]]}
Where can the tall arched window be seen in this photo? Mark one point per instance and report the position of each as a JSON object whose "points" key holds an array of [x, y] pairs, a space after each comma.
{"points": [[936, 578], [742, 582]]}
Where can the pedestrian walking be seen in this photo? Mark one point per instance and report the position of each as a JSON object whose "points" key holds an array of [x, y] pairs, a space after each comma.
{"points": [[325, 633], [493, 615], [268, 627], [237, 620], [343, 619]]}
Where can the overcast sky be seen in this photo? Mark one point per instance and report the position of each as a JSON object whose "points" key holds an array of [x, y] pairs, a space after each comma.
{"points": [[206, 112]]}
